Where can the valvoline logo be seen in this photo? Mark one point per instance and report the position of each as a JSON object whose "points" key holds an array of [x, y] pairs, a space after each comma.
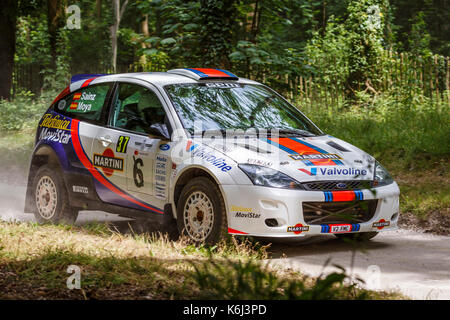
{"points": [[335, 172]]}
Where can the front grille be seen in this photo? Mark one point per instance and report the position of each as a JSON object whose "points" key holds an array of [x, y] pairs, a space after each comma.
{"points": [[339, 212], [336, 185]]}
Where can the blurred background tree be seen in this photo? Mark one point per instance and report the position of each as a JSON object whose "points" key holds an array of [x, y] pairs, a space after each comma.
{"points": [[275, 41]]}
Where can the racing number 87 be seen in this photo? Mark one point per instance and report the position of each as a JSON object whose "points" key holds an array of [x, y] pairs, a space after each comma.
{"points": [[122, 144]]}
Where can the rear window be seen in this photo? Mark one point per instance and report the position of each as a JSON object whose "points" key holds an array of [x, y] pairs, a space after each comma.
{"points": [[84, 104]]}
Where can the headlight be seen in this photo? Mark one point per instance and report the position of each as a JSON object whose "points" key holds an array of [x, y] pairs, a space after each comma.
{"points": [[263, 176], [381, 176]]}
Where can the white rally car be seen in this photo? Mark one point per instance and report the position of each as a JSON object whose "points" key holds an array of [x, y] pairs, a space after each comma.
{"points": [[220, 154]]}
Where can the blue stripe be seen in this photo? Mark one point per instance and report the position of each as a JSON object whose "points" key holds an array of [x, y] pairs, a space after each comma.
{"points": [[328, 196], [79, 77], [199, 73], [228, 73], [339, 162], [308, 163], [359, 194]]}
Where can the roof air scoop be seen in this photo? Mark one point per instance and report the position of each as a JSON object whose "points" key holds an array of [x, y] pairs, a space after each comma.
{"points": [[205, 74]]}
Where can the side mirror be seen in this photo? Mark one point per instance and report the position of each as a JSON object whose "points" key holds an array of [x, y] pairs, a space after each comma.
{"points": [[159, 130]]}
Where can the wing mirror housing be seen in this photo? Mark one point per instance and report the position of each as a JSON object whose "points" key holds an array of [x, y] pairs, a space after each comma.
{"points": [[159, 130]]}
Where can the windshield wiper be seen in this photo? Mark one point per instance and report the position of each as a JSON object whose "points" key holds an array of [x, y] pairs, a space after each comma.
{"points": [[294, 132]]}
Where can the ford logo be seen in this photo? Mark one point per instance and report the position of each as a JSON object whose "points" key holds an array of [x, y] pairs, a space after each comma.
{"points": [[341, 185], [164, 147]]}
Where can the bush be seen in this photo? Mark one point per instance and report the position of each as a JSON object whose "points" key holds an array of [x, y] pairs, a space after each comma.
{"points": [[23, 112], [390, 127]]}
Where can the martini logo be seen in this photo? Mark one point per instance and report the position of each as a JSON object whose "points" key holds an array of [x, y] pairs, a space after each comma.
{"points": [[298, 228], [316, 156], [108, 162], [381, 224]]}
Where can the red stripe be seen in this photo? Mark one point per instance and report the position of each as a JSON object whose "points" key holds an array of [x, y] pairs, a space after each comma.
{"points": [[212, 72], [300, 148], [87, 163], [343, 196], [86, 83], [62, 94], [236, 231], [323, 162]]}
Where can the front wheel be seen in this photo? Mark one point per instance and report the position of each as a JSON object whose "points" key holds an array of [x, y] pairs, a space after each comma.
{"points": [[201, 214], [51, 202], [363, 236]]}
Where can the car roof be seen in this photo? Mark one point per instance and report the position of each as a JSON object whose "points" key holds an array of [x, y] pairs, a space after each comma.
{"points": [[156, 78]]}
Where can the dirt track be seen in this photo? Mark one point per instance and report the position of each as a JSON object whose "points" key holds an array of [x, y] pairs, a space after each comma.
{"points": [[416, 263]]}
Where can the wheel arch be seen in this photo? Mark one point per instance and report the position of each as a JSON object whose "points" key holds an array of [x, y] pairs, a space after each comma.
{"points": [[185, 176]]}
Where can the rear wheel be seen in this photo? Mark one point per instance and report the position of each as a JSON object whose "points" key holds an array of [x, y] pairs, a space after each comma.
{"points": [[51, 201], [201, 214], [363, 236]]}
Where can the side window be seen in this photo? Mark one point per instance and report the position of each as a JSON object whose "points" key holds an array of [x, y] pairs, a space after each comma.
{"points": [[84, 104], [136, 108]]}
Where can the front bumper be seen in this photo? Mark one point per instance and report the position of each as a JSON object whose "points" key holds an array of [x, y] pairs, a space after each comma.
{"points": [[249, 207]]}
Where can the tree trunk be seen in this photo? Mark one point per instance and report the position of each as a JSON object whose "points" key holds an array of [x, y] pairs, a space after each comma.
{"points": [[145, 31], [118, 14], [8, 17], [54, 14]]}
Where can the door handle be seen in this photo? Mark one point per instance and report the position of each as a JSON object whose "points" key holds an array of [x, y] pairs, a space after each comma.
{"points": [[138, 143], [105, 141], [148, 145]]}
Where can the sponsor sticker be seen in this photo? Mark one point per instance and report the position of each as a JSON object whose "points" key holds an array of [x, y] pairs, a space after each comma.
{"points": [[59, 135], [108, 162], [335, 172], [80, 189], [315, 156], [298, 228], [381, 224], [164, 147], [160, 174], [122, 144], [259, 162], [54, 122], [243, 212]]}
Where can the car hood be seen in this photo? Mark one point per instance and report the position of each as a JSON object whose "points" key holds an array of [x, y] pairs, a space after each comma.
{"points": [[318, 158]]}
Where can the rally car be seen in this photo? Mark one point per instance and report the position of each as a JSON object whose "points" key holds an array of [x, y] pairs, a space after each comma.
{"points": [[217, 153]]}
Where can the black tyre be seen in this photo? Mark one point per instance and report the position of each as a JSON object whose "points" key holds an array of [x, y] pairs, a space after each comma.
{"points": [[201, 214], [50, 199], [363, 236]]}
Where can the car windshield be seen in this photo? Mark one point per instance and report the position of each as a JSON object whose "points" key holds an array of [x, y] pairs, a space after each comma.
{"points": [[230, 106]]}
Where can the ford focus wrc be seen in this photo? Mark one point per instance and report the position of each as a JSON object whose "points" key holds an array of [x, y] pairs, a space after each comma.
{"points": [[220, 154]]}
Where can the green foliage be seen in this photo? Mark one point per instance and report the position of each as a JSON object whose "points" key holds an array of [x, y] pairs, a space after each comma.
{"points": [[393, 127], [239, 280], [22, 112]]}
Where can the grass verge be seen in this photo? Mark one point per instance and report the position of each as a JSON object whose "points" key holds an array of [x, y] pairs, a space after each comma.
{"points": [[34, 261]]}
